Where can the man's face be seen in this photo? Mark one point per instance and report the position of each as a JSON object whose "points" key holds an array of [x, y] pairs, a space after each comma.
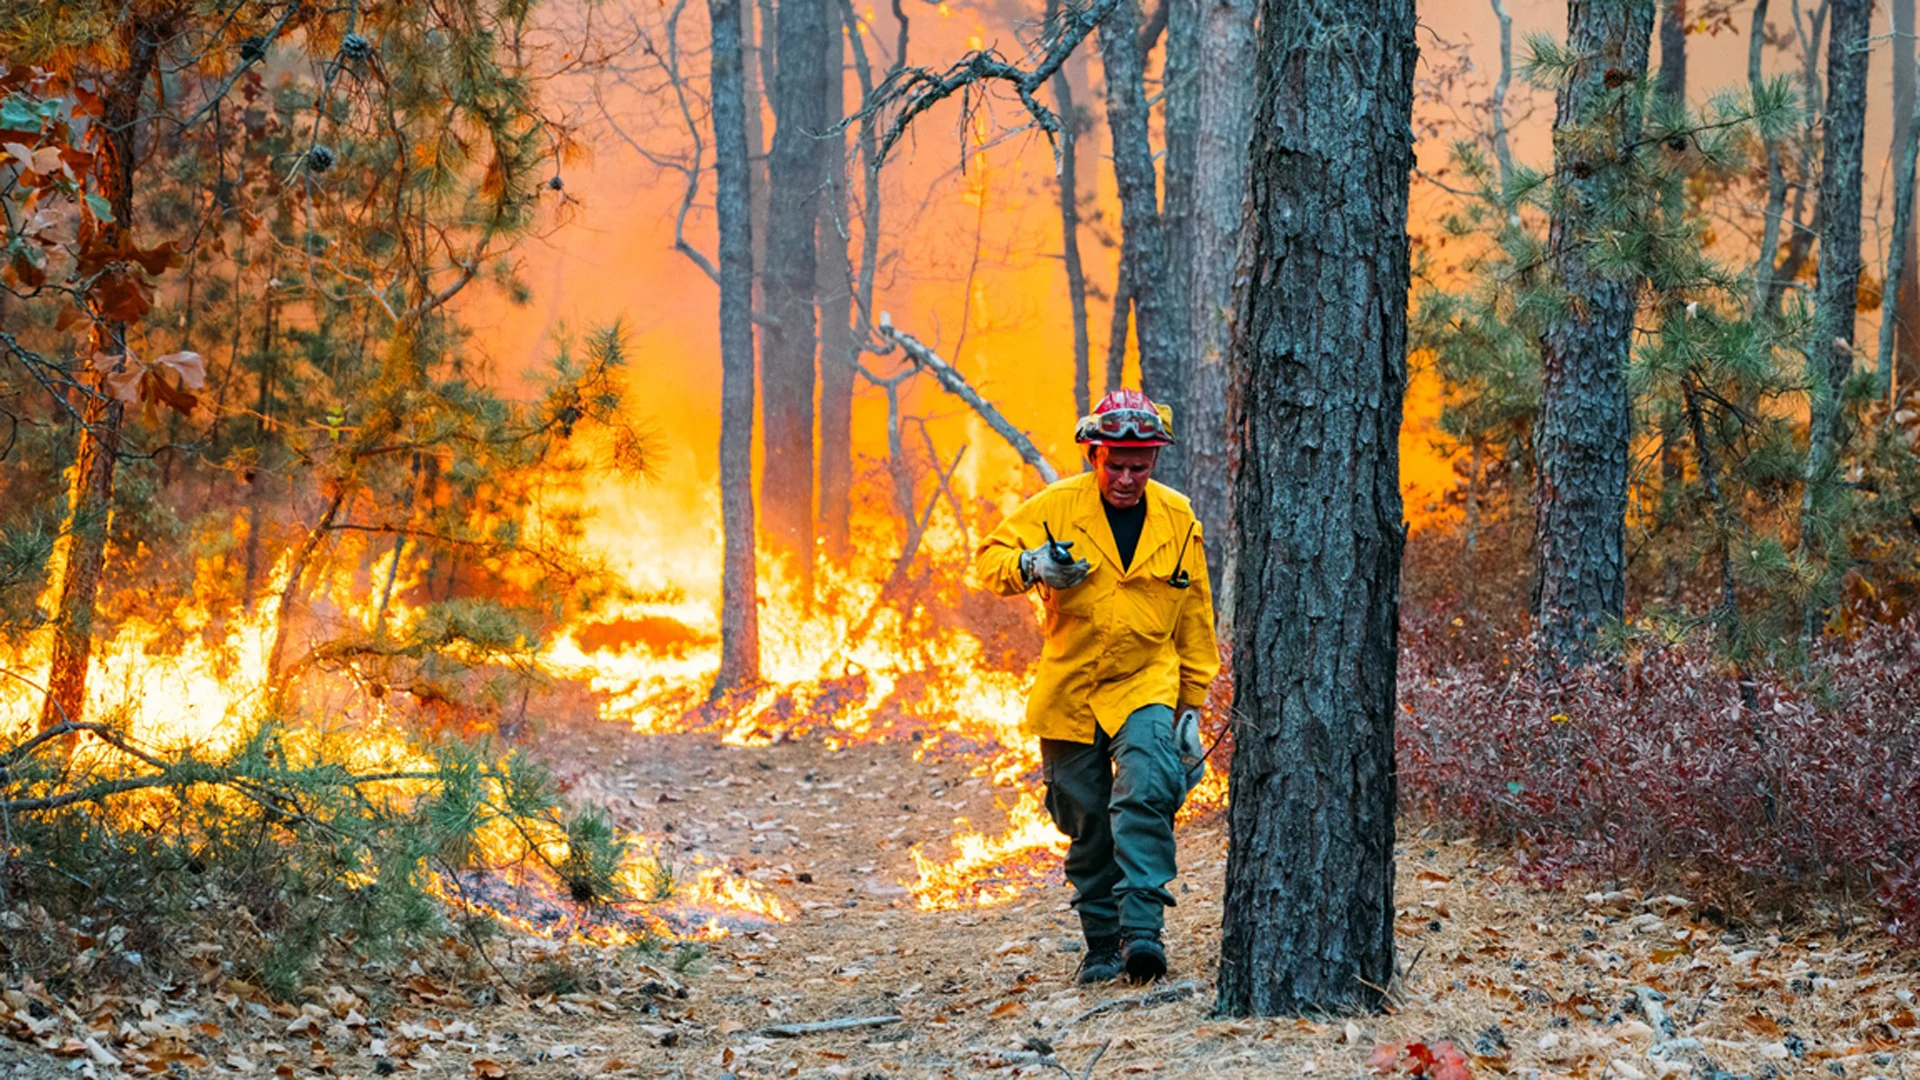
{"points": [[1122, 473]]}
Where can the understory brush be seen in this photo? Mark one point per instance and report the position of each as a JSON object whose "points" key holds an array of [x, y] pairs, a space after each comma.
{"points": [[285, 848], [1758, 788]]}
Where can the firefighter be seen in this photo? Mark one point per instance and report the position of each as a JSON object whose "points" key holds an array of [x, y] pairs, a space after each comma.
{"points": [[1121, 572]]}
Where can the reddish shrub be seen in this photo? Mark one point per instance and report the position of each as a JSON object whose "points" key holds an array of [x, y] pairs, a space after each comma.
{"points": [[1652, 765]]}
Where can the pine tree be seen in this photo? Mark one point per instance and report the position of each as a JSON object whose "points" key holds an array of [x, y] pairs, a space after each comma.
{"points": [[1319, 374]]}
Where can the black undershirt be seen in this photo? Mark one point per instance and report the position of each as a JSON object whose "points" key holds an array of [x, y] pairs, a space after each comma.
{"points": [[1126, 525]]}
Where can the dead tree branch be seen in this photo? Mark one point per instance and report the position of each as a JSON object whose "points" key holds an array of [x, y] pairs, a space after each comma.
{"points": [[954, 383], [914, 90]]}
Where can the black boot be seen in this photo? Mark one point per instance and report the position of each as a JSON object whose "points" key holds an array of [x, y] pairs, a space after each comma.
{"points": [[1144, 956], [1102, 962]]}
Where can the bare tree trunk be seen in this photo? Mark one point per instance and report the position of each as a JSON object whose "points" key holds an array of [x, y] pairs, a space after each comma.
{"points": [[1800, 241], [870, 163], [1117, 326], [1670, 90], [1223, 128], [1903, 286], [1836, 292], [1142, 245], [81, 555], [297, 574], [1671, 82], [1776, 174], [257, 477], [759, 81], [1470, 533], [1319, 376], [1069, 184], [1585, 415], [837, 349], [739, 589], [797, 173], [1171, 380], [1502, 153], [1718, 515]]}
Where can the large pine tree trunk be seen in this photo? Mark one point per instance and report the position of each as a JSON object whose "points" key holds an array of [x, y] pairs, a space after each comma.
{"points": [[1836, 291], [1320, 370], [835, 290], [81, 555], [1585, 414], [739, 591], [1156, 324], [797, 174], [1223, 125]]}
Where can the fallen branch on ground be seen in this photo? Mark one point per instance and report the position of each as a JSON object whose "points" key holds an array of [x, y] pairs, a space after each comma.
{"points": [[1147, 1000], [815, 1027]]}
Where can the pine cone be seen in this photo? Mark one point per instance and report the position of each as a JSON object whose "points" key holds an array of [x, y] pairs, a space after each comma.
{"points": [[355, 47], [319, 159]]}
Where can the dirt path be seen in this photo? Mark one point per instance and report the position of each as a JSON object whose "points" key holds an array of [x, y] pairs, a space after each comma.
{"points": [[1530, 983], [1527, 980]]}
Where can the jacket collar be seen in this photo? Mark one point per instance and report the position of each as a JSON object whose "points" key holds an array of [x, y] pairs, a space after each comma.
{"points": [[1091, 518]]}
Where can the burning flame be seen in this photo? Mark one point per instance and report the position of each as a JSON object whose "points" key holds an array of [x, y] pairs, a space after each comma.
{"points": [[991, 870]]}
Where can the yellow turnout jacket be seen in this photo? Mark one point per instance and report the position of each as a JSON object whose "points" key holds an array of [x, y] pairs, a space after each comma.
{"points": [[1120, 640]]}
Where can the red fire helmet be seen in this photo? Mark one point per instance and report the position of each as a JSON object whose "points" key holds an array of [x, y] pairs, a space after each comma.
{"points": [[1126, 418]]}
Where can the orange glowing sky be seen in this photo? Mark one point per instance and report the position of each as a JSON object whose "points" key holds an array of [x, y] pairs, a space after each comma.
{"points": [[615, 258]]}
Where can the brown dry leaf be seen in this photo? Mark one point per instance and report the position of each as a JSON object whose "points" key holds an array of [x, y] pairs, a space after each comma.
{"points": [[1760, 1025], [1226, 1030], [488, 1069], [1008, 1008]]}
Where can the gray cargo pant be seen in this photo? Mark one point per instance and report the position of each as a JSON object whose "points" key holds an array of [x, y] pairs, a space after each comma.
{"points": [[1115, 799]]}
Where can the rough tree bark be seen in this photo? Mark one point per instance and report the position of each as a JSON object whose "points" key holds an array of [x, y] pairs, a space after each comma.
{"points": [[1142, 244], [762, 64], [81, 555], [1171, 378], [1671, 82], [1776, 176], [1223, 126], [1319, 376], [796, 174], [1585, 423], [837, 348], [739, 589], [1905, 313], [1069, 185], [1670, 90], [1802, 231], [1837, 289], [1117, 325]]}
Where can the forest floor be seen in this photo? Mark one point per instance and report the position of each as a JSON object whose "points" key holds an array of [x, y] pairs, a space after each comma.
{"points": [[1553, 983]]}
